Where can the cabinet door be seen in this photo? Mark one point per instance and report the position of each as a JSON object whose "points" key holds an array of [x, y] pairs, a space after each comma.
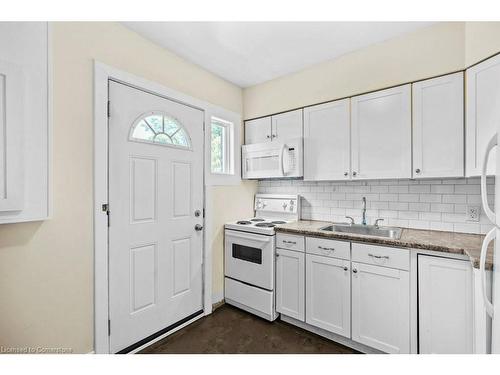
{"points": [[438, 127], [381, 307], [483, 113], [445, 305], [381, 134], [327, 141], [290, 272], [287, 126], [328, 294], [258, 131]]}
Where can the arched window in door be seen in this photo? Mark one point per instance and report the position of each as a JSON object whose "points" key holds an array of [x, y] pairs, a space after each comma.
{"points": [[160, 129]]}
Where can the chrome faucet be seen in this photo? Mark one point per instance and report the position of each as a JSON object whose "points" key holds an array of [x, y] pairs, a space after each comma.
{"points": [[364, 211]]}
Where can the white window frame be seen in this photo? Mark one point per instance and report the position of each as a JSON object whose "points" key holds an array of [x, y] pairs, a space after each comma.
{"points": [[233, 148], [227, 146]]}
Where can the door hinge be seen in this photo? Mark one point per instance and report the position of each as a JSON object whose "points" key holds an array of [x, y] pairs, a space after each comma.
{"points": [[105, 208], [109, 327], [109, 109]]}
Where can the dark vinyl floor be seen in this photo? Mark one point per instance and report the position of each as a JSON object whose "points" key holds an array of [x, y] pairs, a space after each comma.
{"points": [[232, 331]]}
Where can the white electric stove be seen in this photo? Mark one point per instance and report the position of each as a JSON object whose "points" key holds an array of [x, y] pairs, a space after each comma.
{"points": [[249, 254]]}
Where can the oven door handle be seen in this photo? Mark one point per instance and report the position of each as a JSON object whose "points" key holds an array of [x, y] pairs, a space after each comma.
{"points": [[248, 236]]}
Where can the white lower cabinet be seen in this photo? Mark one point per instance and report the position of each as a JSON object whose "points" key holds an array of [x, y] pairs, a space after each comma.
{"points": [[328, 294], [290, 280], [381, 307], [445, 305]]}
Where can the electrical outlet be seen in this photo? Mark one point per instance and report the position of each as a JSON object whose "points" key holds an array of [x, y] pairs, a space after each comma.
{"points": [[472, 213]]}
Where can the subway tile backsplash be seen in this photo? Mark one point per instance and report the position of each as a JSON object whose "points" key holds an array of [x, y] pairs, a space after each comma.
{"points": [[438, 204]]}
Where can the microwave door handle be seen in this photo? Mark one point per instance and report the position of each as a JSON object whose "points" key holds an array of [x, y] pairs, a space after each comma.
{"points": [[484, 193], [282, 164]]}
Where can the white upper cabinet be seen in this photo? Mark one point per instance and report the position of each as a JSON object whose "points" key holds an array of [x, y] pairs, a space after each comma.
{"points": [[328, 294], [381, 308], [11, 137], [445, 311], [281, 127], [483, 113], [286, 126], [438, 127], [24, 121], [258, 130], [290, 283], [327, 141], [381, 134]]}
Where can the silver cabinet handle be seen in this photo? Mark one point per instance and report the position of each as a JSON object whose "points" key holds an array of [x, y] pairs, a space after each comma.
{"points": [[346, 174], [268, 136], [354, 270], [277, 255], [273, 135], [354, 173], [326, 248], [292, 242], [345, 268], [378, 256]]}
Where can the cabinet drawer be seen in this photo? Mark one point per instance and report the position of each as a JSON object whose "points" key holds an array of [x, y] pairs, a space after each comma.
{"points": [[329, 248], [290, 242], [381, 256]]}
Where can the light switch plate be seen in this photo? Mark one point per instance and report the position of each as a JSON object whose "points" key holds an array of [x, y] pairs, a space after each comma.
{"points": [[472, 213]]}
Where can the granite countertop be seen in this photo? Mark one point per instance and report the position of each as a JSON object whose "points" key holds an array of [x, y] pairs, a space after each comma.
{"points": [[446, 242]]}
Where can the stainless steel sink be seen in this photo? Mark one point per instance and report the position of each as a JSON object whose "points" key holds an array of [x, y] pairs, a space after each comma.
{"points": [[367, 230]]}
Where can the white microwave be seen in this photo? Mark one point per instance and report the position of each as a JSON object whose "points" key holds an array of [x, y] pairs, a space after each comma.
{"points": [[272, 159]]}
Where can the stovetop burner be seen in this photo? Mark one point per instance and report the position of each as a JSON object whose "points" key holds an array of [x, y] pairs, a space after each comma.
{"points": [[255, 219], [278, 222], [244, 222], [265, 225]]}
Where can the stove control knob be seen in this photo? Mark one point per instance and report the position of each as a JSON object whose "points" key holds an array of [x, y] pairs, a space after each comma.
{"points": [[259, 204], [284, 206]]}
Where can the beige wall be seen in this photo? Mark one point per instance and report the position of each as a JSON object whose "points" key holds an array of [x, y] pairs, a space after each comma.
{"points": [[46, 268], [434, 50], [482, 39]]}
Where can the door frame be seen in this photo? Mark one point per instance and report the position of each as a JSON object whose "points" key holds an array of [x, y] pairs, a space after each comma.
{"points": [[102, 74]]}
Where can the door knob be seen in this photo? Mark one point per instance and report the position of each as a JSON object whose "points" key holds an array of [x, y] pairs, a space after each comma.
{"points": [[198, 227]]}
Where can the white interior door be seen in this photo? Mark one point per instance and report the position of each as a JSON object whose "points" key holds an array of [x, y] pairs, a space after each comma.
{"points": [[155, 187]]}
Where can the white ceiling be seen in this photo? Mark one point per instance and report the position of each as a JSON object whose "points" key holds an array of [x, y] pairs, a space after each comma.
{"points": [[248, 53]]}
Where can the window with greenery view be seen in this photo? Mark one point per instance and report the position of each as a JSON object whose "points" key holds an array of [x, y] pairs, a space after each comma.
{"points": [[220, 135]]}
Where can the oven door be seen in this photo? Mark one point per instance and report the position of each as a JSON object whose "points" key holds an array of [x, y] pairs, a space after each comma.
{"points": [[249, 258]]}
